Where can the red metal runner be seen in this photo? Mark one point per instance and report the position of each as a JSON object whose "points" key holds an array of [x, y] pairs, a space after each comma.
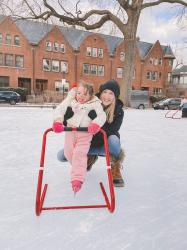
{"points": [[40, 195]]}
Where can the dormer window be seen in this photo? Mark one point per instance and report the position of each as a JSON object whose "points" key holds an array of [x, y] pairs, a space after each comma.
{"points": [[48, 46], [94, 52], [88, 51], [62, 48], [122, 56], [16, 40], [151, 60], [100, 53], [8, 39], [56, 47]]}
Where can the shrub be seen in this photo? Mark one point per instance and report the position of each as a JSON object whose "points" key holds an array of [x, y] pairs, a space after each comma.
{"points": [[154, 98]]}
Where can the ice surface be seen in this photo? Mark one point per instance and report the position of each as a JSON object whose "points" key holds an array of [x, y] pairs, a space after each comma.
{"points": [[151, 211]]}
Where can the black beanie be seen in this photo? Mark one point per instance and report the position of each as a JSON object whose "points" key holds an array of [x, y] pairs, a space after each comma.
{"points": [[111, 85]]}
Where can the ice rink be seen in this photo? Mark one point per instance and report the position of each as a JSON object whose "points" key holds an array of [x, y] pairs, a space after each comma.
{"points": [[151, 211]]}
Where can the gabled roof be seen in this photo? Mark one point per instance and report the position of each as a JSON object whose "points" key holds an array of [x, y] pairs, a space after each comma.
{"points": [[144, 48], [182, 69], [167, 51], [33, 31]]}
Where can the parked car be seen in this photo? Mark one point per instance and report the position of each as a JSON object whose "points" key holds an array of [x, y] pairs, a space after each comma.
{"points": [[139, 99], [171, 103], [9, 97]]}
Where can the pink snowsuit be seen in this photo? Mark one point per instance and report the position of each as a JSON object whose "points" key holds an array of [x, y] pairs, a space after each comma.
{"points": [[77, 144], [76, 147]]}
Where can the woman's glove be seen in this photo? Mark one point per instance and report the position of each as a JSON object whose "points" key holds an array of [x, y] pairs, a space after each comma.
{"points": [[58, 127], [93, 128]]}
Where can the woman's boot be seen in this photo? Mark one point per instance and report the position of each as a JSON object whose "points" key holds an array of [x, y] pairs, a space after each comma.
{"points": [[116, 165], [90, 161]]}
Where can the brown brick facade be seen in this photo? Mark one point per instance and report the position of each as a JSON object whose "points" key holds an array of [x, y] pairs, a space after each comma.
{"points": [[151, 70]]}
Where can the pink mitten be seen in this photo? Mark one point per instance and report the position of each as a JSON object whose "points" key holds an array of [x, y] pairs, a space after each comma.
{"points": [[76, 185], [58, 127], [93, 128]]}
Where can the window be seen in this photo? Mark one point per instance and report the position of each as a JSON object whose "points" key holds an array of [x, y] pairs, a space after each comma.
{"points": [[62, 48], [122, 56], [100, 70], [94, 52], [151, 60], [157, 91], [64, 67], [46, 65], [169, 77], [160, 74], [9, 60], [16, 40], [152, 75], [86, 69], [93, 69], [119, 72], [1, 59], [160, 61], [56, 47], [155, 61], [89, 51], [55, 66], [1, 38], [48, 46], [100, 53], [8, 39], [19, 61]]}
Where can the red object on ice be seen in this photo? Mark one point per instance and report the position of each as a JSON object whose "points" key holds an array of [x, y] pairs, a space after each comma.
{"points": [[168, 114], [40, 195]]}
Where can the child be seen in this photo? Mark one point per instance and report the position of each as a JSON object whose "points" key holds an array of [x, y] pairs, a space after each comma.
{"points": [[81, 101]]}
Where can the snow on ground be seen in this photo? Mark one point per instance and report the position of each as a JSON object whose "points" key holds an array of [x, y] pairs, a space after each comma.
{"points": [[151, 211]]}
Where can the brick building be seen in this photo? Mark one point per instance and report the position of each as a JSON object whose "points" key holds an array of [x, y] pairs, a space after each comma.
{"points": [[41, 57]]}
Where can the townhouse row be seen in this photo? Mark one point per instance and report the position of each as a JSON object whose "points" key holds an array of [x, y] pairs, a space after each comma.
{"points": [[40, 57]]}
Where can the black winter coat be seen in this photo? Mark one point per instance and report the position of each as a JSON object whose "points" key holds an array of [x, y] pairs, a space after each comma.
{"points": [[110, 128]]}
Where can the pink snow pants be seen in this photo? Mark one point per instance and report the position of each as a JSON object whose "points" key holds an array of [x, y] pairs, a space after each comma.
{"points": [[76, 147]]}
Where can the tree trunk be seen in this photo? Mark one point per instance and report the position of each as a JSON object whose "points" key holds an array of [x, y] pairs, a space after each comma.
{"points": [[130, 49]]}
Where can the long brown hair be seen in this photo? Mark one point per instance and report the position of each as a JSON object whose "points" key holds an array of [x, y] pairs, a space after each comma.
{"points": [[109, 110]]}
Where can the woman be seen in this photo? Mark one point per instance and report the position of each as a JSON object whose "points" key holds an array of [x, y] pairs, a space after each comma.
{"points": [[109, 95]]}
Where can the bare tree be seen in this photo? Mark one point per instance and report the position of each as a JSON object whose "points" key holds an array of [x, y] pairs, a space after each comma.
{"points": [[127, 23]]}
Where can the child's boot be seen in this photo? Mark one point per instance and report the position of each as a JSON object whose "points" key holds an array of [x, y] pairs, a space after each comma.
{"points": [[76, 185]]}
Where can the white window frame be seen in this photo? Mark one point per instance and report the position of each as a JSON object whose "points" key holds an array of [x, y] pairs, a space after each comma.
{"points": [[62, 48], [122, 56], [16, 40], [119, 72], [93, 69], [56, 47], [94, 52], [86, 69], [55, 68], [100, 53], [46, 64], [88, 51], [19, 61], [100, 70], [48, 46], [64, 66]]}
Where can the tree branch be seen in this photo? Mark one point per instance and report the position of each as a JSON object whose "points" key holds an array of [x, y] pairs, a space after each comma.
{"points": [[146, 5]]}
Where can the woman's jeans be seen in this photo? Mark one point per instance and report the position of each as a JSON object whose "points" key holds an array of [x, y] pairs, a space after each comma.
{"points": [[113, 144]]}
